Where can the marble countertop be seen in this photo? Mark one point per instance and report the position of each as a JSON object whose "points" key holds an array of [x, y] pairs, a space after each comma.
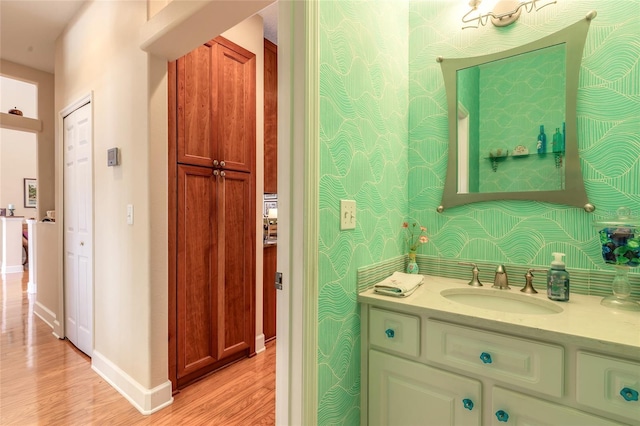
{"points": [[582, 317]]}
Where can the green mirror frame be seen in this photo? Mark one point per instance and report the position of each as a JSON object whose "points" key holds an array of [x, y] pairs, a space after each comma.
{"points": [[573, 194]]}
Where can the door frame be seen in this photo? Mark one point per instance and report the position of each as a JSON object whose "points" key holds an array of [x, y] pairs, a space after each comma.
{"points": [[59, 322]]}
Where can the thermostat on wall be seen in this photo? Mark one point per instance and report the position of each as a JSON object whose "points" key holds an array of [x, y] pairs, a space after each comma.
{"points": [[113, 157]]}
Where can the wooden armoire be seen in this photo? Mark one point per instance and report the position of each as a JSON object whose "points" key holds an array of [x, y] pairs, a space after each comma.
{"points": [[212, 211]]}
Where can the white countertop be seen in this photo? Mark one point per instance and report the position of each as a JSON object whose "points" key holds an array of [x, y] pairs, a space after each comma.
{"points": [[583, 317]]}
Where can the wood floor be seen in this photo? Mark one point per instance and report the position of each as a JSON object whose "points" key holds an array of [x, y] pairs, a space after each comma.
{"points": [[46, 381]]}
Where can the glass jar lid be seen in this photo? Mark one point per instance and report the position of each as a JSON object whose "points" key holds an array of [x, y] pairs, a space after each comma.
{"points": [[624, 218]]}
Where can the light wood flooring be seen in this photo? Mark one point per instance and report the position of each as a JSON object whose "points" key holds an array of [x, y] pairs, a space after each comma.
{"points": [[46, 381]]}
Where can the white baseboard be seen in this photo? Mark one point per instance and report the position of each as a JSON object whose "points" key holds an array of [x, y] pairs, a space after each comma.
{"points": [[45, 314], [147, 401], [260, 343], [12, 269]]}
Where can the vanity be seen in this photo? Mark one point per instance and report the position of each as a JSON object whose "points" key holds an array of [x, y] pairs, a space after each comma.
{"points": [[434, 359]]}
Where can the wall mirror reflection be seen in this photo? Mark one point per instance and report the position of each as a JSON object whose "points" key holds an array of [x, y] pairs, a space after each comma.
{"points": [[512, 123]]}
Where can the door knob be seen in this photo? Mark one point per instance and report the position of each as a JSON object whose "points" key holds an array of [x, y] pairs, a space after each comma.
{"points": [[222, 164], [223, 174], [216, 173], [215, 162]]}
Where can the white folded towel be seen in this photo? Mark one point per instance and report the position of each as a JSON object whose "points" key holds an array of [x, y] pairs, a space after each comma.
{"points": [[399, 284]]}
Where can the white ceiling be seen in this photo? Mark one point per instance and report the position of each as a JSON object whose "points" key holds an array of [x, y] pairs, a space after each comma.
{"points": [[29, 29]]}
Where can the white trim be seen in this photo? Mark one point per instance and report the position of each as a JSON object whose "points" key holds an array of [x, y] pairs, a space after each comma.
{"points": [[147, 401], [311, 211], [48, 316], [12, 269], [260, 343]]}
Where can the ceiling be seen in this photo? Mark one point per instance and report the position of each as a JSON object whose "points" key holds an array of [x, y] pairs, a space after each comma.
{"points": [[29, 29]]}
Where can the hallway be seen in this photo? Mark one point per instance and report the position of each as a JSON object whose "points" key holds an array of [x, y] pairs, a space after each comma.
{"points": [[44, 380]]}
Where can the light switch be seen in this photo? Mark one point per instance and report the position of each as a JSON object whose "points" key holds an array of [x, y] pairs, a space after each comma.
{"points": [[347, 214], [129, 214]]}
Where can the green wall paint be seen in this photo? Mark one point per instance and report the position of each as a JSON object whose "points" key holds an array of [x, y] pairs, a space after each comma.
{"points": [[383, 120], [608, 111], [364, 96]]}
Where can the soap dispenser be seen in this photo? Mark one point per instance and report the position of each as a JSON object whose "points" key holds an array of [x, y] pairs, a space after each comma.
{"points": [[558, 280]]}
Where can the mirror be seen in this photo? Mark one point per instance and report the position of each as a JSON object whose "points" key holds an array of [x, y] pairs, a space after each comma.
{"points": [[499, 105]]}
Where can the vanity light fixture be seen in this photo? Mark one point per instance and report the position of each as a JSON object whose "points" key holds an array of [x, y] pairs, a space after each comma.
{"points": [[504, 13]]}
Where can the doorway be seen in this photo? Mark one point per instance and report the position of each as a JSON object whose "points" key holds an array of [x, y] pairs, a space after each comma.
{"points": [[78, 226]]}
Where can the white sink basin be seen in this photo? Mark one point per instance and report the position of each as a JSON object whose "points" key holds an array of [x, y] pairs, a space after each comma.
{"points": [[501, 300]]}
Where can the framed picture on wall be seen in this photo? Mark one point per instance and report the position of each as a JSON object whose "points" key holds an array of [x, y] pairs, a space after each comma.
{"points": [[30, 193]]}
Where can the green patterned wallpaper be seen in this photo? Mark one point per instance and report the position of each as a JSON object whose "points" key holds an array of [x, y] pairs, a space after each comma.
{"points": [[383, 143], [608, 113], [364, 94]]}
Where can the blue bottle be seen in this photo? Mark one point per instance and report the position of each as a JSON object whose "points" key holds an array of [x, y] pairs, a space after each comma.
{"points": [[558, 280], [558, 141], [542, 141]]}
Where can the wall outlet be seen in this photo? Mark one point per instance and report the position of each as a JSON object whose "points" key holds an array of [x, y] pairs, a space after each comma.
{"points": [[347, 214]]}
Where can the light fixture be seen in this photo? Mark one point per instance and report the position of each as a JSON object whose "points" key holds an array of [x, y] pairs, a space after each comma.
{"points": [[504, 13]]}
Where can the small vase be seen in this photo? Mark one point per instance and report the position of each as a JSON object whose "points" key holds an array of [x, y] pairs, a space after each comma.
{"points": [[412, 266]]}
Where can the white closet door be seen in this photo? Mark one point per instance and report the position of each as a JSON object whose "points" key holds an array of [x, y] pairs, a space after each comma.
{"points": [[78, 228]]}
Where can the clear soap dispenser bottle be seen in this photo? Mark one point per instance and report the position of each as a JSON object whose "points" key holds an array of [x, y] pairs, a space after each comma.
{"points": [[542, 141], [558, 280]]}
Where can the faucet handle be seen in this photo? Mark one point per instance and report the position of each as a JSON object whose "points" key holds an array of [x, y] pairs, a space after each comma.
{"points": [[475, 281], [528, 286]]}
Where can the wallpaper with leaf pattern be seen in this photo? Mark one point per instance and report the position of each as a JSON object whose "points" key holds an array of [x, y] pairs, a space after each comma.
{"points": [[608, 115], [364, 92], [383, 124]]}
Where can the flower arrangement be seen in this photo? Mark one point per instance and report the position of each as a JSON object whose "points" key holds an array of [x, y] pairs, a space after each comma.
{"points": [[415, 235]]}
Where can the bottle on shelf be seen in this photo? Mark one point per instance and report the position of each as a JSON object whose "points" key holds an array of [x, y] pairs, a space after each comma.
{"points": [[542, 141], [558, 143]]}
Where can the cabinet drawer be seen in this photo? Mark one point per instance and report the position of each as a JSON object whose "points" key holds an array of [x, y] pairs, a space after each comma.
{"points": [[515, 408], [394, 331], [534, 365], [603, 383]]}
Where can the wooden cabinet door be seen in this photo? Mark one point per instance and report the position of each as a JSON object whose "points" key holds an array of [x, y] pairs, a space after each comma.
{"points": [[270, 117], [196, 137], [197, 270], [236, 225], [405, 393], [235, 105]]}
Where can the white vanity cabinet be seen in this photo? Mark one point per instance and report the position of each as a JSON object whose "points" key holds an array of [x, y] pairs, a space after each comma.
{"points": [[425, 366]]}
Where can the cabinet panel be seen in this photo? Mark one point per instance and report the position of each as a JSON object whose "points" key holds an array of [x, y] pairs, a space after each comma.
{"points": [[603, 382], [394, 331], [235, 107], [237, 240], [196, 269], [406, 393], [195, 138], [270, 117], [525, 410], [535, 365]]}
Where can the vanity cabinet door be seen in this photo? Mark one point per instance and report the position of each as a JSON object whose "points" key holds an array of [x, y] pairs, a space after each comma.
{"points": [[512, 408], [609, 384], [405, 393]]}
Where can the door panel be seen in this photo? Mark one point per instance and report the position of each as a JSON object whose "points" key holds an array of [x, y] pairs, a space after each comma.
{"points": [[196, 142], [78, 226], [236, 106], [197, 269], [237, 238]]}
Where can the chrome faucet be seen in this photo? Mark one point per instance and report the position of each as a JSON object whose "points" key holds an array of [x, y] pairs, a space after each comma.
{"points": [[501, 281]]}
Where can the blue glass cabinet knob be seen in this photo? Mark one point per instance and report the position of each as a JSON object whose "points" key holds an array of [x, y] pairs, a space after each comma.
{"points": [[502, 416], [390, 333], [468, 404], [629, 394], [486, 358]]}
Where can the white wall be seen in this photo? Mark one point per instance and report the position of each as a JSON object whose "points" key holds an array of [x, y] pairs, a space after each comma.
{"points": [[17, 161], [98, 52], [43, 110], [18, 156]]}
